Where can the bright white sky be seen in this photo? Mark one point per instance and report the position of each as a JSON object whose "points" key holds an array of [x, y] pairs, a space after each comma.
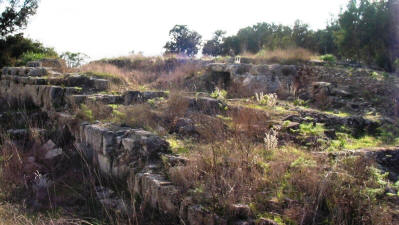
{"points": [[108, 28]]}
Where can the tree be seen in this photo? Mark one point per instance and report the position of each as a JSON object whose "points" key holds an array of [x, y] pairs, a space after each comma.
{"points": [[15, 15], [303, 36], [213, 47], [325, 38], [14, 50], [74, 59], [364, 33], [183, 41]]}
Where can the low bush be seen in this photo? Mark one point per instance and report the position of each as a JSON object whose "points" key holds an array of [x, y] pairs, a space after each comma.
{"points": [[32, 56], [219, 94], [266, 99], [328, 58]]}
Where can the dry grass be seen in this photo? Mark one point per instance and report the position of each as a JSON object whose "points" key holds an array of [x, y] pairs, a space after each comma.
{"points": [[251, 122], [120, 79], [161, 72], [283, 56], [292, 184], [179, 78], [11, 214], [140, 116], [177, 106]]}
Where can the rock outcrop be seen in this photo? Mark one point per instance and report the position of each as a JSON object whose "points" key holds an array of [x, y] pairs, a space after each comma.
{"points": [[251, 79], [133, 156]]}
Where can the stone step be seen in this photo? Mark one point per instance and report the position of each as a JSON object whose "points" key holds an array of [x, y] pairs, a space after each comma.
{"points": [[127, 98], [116, 150], [206, 105], [55, 64], [27, 71], [75, 80], [133, 97]]}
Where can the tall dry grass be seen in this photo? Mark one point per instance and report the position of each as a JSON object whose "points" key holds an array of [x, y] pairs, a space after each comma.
{"points": [[180, 78], [120, 79], [282, 56], [285, 184]]}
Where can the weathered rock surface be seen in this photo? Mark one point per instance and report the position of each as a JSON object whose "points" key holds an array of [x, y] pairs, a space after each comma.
{"points": [[56, 64], [251, 79], [116, 150], [26, 71], [358, 123], [185, 126], [207, 105], [132, 97]]}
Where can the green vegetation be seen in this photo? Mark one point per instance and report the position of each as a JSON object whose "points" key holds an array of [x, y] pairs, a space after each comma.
{"points": [[14, 15], [213, 47], [387, 135], [183, 41], [360, 33], [300, 102], [178, 146], [74, 59], [310, 129], [85, 113], [32, 56], [328, 58], [219, 94], [266, 99], [17, 50]]}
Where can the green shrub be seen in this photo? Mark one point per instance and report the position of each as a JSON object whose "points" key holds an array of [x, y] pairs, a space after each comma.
{"points": [[388, 134], [300, 102], [328, 58], [310, 129], [33, 56], [219, 94], [266, 99], [13, 47]]}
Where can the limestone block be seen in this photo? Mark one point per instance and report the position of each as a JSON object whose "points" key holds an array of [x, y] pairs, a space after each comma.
{"points": [[101, 84], [38, 72]]}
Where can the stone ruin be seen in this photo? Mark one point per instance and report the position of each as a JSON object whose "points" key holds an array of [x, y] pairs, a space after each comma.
{"points": [[136, 156]]}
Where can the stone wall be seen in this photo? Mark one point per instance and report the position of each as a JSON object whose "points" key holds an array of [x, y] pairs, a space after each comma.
{"points": [[133, 156]]}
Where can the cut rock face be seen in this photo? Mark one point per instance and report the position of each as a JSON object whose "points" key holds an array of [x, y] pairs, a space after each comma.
{"points": [[250, 79], [116, 150]]}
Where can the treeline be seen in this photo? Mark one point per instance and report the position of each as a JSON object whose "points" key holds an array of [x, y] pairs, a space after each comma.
{"points": [[366, 32]]}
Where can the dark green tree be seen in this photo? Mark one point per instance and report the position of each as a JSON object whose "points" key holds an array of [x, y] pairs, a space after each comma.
{"points": [[214, 46], [231, 46], [364, 33], [303, 36], [325, 39], [183, 41], [15, 15]]}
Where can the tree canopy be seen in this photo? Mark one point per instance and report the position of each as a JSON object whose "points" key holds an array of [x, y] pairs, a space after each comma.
{"points": [[183, 41], [213, 47], [366, 31], [15, 15]]}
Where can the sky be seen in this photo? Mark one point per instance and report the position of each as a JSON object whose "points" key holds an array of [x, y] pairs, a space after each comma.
{"points": [[111, 28]]}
